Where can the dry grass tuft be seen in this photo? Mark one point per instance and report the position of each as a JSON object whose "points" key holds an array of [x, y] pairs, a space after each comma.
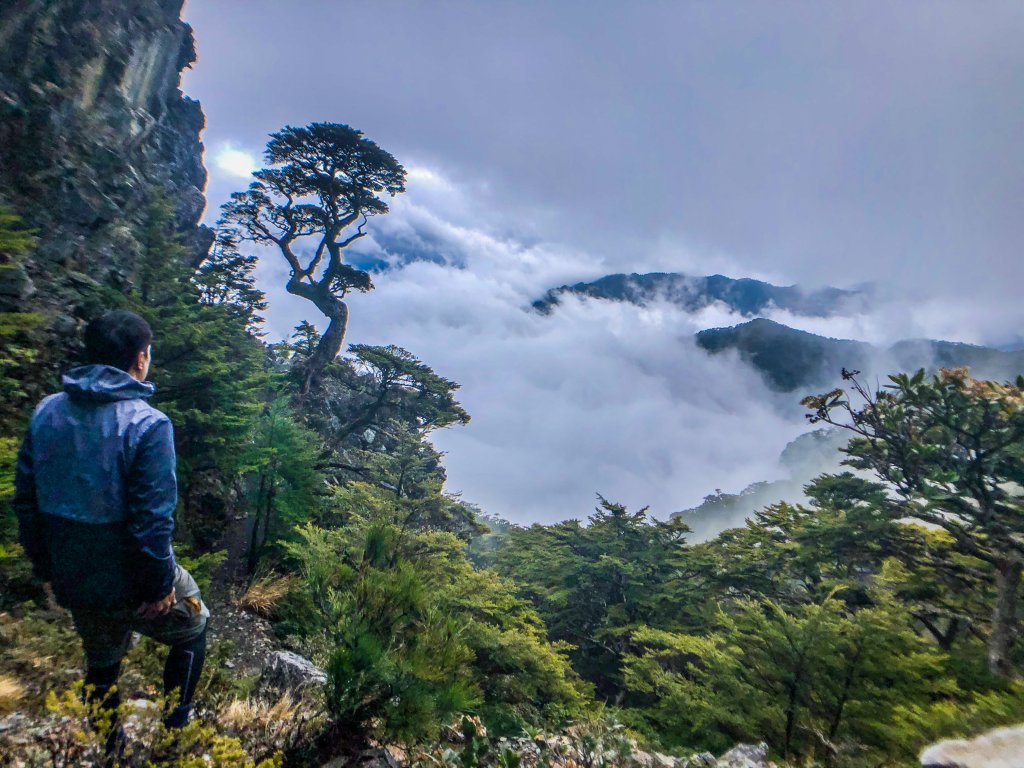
{"points": [[11, 692], [264, 594], [242, 714], [239, 713], [266, 727]]}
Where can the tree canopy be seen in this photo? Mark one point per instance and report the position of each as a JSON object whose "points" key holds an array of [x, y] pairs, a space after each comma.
{"points": [[952, 448], [321, 181]]}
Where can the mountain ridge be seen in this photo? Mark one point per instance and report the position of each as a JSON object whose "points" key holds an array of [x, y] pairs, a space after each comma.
{"points": [[791, 359], [745, 295]]}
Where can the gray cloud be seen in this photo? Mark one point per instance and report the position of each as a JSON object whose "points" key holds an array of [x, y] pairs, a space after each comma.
{"points": [[831, 142], [556, 142]]}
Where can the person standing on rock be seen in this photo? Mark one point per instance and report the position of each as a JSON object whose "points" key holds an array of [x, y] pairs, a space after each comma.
{"points": [[95, 493]]}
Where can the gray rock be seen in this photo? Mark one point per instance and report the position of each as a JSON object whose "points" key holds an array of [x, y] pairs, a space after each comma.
{"points": [[13, 722], [15, 282], [287, 672], [91, 95], [383, 757], [697, 760], [745, 756], [1001, 748], [653, 759]]}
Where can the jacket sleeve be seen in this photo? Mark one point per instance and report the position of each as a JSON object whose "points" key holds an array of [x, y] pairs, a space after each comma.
{"points": [[152, 497], [31, 532]]}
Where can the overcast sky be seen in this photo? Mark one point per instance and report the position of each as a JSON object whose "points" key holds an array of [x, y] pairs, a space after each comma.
{"points": [[549, 142]]}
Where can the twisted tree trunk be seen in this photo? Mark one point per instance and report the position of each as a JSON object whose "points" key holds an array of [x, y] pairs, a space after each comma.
{"points": [[331, 342]]}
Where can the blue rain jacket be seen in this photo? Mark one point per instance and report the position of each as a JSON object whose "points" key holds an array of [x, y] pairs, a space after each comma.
{"points": [[95, 491]]}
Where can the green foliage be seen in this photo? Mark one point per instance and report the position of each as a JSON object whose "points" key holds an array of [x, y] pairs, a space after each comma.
{"points": [[836, 629], [950, 718], [201, 566], [415, 633], [396, 658], [952, 449], [208, 368], [8, 459], [305, 338], [592, 585], [794, 553], [525, 679], [368, 402], [282, 461], [373, 414], [15, 240], [75, 732], [20, 331], [226, 278], [817, 681], [19, 338], [403, 387]]}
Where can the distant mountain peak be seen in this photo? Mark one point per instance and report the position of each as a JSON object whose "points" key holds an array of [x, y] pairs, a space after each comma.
{"points": [[792, 359], [746, 296]]}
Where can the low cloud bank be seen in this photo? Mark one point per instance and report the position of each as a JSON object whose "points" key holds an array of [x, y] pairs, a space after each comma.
{"points": [[596, 397]]}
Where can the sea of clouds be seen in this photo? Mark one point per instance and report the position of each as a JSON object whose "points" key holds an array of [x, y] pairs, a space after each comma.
{"points": [[595, 397]]}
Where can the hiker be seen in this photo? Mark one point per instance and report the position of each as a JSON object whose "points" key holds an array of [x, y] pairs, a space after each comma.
{"points": [[95, 493]]}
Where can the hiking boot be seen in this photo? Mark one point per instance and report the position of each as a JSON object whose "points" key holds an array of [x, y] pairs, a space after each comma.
{"points": [[114, 749], [179, 717]]}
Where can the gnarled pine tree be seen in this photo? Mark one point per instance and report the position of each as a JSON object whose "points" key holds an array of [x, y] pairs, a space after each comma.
{"points": [[322, 181]]}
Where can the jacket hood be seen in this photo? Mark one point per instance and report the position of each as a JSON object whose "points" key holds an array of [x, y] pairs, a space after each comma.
{"points": [[104, 384]]}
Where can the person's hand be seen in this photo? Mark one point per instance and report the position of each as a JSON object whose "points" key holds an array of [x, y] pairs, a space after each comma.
{"points": [[159, 608]]}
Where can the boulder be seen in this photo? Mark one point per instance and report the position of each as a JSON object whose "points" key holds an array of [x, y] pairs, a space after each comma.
{"points": [[287, 672], [745, 756], [653, 759], [1001, 748]]}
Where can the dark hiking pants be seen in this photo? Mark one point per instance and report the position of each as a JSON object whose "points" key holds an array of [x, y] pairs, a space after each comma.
{"points": [[106, 636]]}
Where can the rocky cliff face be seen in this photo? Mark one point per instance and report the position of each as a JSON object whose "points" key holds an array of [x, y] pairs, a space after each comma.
{"points": [[93, 128]]}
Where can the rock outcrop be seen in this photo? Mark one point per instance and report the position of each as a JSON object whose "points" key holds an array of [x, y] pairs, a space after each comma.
{"points": [[288, 673], [1001, 748], [93, 125], [745, 756]]}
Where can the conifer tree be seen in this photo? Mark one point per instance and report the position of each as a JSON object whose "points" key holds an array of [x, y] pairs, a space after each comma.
{"points": [[817, 682], [282, 454], [226, 278], [952, 448], [208, 369], [321, 181], [593, 585]]}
